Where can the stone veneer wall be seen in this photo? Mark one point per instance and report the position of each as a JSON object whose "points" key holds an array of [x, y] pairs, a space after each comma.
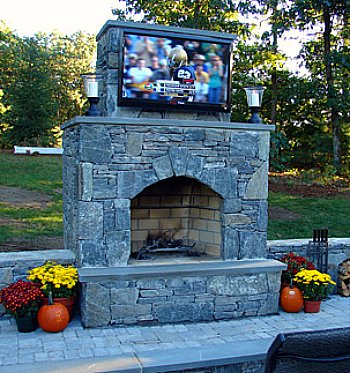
{"points": [[179, 293], [107, 162]]}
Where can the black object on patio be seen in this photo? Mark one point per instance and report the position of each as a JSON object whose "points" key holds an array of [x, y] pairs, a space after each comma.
{"points": [[321, 351], [317, 250]]}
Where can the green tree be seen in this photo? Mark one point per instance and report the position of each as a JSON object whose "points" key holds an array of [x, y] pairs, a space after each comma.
{"points": [[31, 114], [7, 56], [330, 18], [41, 84], [216, 15], [70, 56], [275, 14]]}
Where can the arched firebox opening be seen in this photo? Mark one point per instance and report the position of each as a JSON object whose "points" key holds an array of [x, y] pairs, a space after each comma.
{"points": [[177, 218]]}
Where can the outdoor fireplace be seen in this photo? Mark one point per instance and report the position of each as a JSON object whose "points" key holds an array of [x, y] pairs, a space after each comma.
{"points": [[166, 211]]}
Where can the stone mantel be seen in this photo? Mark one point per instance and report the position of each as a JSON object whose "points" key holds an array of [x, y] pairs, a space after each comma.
{"points": [[149, 122]]}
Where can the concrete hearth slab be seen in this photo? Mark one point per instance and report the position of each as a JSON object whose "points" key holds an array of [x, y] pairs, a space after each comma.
{"points": [[215, 267]]}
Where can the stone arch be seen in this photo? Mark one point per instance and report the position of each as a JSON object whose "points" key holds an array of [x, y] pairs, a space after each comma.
{"points": [[181, 162]]}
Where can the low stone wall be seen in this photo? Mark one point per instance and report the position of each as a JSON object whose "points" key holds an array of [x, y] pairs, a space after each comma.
{"points": [[179, 292], [15, 265], [338, 251]]}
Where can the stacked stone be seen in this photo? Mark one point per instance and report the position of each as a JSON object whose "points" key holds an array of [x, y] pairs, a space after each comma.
{"points": [[117, 161], [179, 298]]}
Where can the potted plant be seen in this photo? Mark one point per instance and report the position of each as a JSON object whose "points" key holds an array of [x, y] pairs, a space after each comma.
{"points": [[315, 286], [294, 264], [61, 281], [22, 300]]}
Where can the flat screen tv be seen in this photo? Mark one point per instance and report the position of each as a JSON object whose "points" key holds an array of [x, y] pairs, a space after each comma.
{"points": [[163, 69]]}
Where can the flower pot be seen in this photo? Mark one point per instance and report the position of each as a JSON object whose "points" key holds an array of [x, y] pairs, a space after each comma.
{"points": [[68, 302], [27, 324], [312, 306]]}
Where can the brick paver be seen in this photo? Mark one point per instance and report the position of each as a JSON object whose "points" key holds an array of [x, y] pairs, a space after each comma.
{"points": [[76, 342]]}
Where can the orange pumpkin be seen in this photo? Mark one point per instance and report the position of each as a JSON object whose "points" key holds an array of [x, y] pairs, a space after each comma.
{"points": [[291, 299], [53, 317]]}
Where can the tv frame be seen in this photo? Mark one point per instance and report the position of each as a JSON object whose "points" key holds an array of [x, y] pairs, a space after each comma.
{"points": [[174, 33]]}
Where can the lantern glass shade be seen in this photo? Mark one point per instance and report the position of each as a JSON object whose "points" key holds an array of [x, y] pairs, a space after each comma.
{"points": [[254, 96], [91, 84]]}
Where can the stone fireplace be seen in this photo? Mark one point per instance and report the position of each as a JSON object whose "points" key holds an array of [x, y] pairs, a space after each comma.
{"points": [[135, 179]]}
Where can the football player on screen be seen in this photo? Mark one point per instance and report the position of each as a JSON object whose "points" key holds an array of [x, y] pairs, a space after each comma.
{"points": [[181, 72], [179, 68]]}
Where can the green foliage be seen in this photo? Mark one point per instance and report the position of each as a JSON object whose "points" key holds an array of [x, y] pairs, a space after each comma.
{"points": [[325, 56], [40, 85], [31, 114], [280, 156], [71, 56], [215, 15]]}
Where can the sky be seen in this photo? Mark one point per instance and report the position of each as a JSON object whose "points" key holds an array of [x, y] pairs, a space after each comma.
{"points": [[28, 17]]}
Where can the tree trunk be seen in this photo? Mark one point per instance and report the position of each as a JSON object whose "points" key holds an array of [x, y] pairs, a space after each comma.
{"points": [[331, 93], [274, 88]]}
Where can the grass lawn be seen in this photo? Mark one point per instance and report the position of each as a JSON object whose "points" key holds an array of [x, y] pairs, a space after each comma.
{"points": [[37, 174], [313, 213], [43, 174]]}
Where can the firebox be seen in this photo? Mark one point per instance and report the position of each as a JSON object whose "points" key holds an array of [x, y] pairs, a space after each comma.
{"points": [[174, 218]]}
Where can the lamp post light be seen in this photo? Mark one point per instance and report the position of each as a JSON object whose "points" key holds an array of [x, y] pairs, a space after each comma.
{"points": [[254, 99], [91, 90]]}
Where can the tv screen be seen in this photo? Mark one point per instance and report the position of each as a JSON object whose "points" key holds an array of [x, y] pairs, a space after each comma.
{"points": [[166, 71]]}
